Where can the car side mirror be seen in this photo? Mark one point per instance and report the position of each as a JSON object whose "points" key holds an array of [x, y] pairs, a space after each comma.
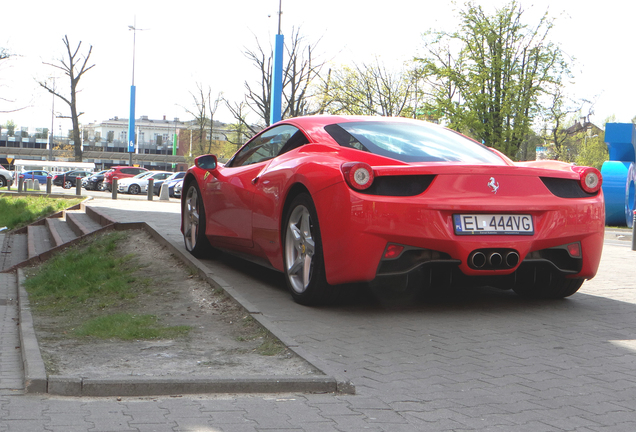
{"points": [[206, 162]]}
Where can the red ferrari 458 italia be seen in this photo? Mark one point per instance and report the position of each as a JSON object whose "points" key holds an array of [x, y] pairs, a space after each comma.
{"points": [[329, 200]]}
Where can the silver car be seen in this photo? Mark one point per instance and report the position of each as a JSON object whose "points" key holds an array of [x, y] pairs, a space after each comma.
{"points": [[6, 178]]}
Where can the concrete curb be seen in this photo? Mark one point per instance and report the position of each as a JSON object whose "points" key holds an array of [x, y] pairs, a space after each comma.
{"points": [[36, 380], [176, 385], [622, 234], [344, 385]]}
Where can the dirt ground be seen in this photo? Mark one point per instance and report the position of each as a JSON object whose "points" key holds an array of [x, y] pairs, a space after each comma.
{"points": [[223, 341]]}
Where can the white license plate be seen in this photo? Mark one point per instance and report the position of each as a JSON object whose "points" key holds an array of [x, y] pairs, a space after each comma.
{"points": [[509, 224]]}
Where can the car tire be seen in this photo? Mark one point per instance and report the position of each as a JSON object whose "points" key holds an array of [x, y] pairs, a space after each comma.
{"points": [[134, 189], [303, 259], [100, 186], [545, 285], [3, 182], [67, 184], [565, 287], [193, 222]]}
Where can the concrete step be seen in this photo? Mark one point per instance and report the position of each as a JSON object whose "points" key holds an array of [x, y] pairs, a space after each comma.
{"points": [[39, 240]]}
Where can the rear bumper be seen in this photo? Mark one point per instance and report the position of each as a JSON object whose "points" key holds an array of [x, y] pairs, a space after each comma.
{"points": [[356, 230]]}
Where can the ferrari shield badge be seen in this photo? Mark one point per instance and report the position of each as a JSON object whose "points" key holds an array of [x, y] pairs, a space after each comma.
{"points": [[205, 176], [493, 185]]}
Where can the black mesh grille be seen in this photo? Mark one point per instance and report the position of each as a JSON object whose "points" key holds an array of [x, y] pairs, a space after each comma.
{"points": [[565, 188], [404, 185]]}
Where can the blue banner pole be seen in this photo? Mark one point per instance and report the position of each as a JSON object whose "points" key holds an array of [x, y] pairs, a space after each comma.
{"points": [[131, 124], [277, 81]]}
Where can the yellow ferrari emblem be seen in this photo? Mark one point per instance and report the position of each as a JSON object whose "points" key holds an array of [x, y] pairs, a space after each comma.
{"points": [[207, 173]]}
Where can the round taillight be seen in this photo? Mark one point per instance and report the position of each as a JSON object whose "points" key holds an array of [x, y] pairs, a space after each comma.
{"points": [[591, 179], [359, 175]]}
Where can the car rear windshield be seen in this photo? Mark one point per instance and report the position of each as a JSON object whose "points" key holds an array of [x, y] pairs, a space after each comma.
{"points": [[412, 142]]}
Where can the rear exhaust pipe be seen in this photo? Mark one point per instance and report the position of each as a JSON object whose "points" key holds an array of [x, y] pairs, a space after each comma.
{"points": [[478, 259], [512, 259], [495, 259]]}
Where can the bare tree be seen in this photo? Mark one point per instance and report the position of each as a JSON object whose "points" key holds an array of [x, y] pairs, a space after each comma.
{"points": [[212, 107], [240, 131], [200, 119], [5, 55], [299, 72], [74, 67]]}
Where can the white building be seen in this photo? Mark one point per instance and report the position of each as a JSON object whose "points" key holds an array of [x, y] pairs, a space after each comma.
{"points": [[153, 136]]}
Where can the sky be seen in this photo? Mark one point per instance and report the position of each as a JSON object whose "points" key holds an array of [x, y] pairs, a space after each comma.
{"points": [[180, 45]]}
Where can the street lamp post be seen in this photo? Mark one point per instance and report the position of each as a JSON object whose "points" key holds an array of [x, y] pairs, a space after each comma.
{"points": [[52, 123]]}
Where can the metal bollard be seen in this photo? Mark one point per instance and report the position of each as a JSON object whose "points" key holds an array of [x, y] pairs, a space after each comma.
{"points": [[634, 232], [114, 187], [20, 183], [49, 184], [78, 186], [151, 189]]}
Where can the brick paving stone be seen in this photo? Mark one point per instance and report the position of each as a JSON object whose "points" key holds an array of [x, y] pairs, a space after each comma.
{"points": [[483, 361], [298, 412], [11, 370]]}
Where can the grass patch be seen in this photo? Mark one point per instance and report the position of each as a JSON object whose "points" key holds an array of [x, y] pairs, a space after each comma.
{"points": [[93, 275], [127, 326], [93, 286], [270, 346], [18, 211]]}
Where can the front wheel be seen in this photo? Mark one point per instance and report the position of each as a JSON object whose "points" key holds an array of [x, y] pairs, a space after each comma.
{"points": [[193, 221], [302, 253], [134, 189], [3, 182], [68, 184], [100, 186]]}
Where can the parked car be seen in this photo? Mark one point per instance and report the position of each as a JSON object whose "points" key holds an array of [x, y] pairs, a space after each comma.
{"points": [[121, 172], [95, 182], [170, 181], [329, 200], [38, 175], [139, 183], [178, 187], [6, 178], [68, 179]]}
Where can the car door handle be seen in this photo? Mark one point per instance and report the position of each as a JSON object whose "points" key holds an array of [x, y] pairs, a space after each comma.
{"points": [[255, 180]]}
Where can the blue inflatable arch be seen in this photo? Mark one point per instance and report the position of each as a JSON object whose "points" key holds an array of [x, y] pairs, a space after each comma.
{"points": [[619, 174]]}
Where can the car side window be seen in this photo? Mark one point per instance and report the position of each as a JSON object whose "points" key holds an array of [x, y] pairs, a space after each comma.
{"points": [[269, 144]]}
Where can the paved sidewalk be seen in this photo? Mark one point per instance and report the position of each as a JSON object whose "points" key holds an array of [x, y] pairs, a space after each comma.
{"points": [[11, 381], [484, 362]]}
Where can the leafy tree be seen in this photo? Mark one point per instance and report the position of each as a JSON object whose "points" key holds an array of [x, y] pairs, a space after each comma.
{"points": [[367, 90], [75, 66], [593, 152], [10, 127], [490, 87]]}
